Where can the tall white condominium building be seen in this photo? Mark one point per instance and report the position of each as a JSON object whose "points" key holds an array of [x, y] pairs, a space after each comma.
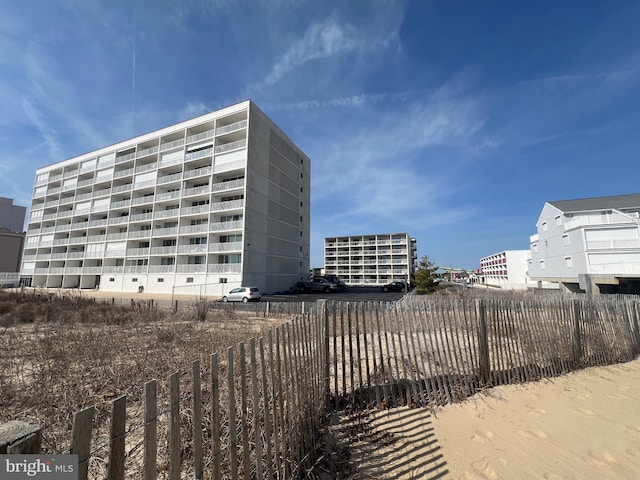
{"points": [[371, 259], [199, 207], [506, 270], [589, 244]]}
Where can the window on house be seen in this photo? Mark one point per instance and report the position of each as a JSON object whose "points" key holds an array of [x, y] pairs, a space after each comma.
{"points": [[161, 280], [558, 220], [134, 280], [568, 261], [544, 226], [542, 266], [189, 279], [565, 240]]}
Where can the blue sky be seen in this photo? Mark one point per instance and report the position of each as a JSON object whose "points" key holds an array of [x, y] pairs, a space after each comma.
{"points": [[451, 120]]}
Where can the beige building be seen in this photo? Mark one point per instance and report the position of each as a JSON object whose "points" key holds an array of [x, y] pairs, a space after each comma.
{"points": [[371, 259], [199, 207]]}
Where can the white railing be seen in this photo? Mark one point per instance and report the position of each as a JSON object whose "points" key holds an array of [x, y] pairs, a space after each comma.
{"points": [[112, 269], [142, 200], [63, 228], [167, 195], [52, 191], [227, 147], [224, 268], [140, 216], [126, 157], [219, 187], [170, 178], [162, 268], [199, 154], [170, 161], [55, 178], [220, 226], [196, 190], [123, 173], [147, 167], [119, 220], [231, 204], [61, 241], [114, 253], [192, 248], [147, 151], [231, 127], [198, 172], [29, 258], [163, 250], [620, 268], [117, 236], [136, 269], [174, 144], [96, 238], [607, 219], [122, 188], [55, 270], [165, 232], [618, 244], [135, 252], [75, 254], [173, 212], [65, 200], [91, 270], [194, 228], [100, 193], [140, 234], [121, 203], [72, 270], [85, 183], [193, 210], [225, 247], [192, 268], [200, 136]]}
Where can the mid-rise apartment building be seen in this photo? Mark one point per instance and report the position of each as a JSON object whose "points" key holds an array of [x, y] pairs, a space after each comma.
{"points": [[199, 207], [371, 259], [506, 270], [589, 244]]}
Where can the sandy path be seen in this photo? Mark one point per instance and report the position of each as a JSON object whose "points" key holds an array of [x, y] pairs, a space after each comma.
{"points": [[585, 425]]}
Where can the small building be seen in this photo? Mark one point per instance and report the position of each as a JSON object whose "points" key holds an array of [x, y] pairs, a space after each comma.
{"points": [[11, 241], [506, 270], [374, 259], [588, 245]]}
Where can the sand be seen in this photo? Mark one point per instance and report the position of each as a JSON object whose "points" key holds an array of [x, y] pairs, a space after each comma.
{"points": [[585, 425]]}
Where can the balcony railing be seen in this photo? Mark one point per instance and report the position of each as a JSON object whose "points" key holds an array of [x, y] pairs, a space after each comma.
{"points": [[196, 191], [195, 210], [174, 144], [231, 127], [140, 234], [230, 205], [126, 157], [224, 268], [119, 220], [194, 228], [141, 216], [608, 219], [137, 252], [200, 136], [167, 195], [198, 172], [143, 200], [170, 178], [192, 268], [199, 154], [162, 268], [227, 147], [121, 203], [116, 236], [96, 238], [163, 250], [122, 188], [618, 244], [147, 151], [223, 226], [147, 167], [173, 212], [165, 232], [112, 269], [222, 186], [136, 269], [123, 173], [192, 248], [225, 247]]}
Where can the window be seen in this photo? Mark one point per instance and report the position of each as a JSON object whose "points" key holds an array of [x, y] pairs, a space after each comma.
{"points": [[199, 260], [111, 279], [198, 241], [134, 280], [189, 279], [161, 280], [169, 243], [558, 220], [568, 261], [565, 240], [542, 265], [167, 261], [230, 238], [222, 280], [544, 226]]}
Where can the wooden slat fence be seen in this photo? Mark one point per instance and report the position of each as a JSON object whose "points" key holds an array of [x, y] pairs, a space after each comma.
{"points": [[259, 409]]}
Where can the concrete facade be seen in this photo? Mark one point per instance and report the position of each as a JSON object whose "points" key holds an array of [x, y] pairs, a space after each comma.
{"points": [[371, 259], [589, 245], [200, 207], [506, 270], [11, 240], [11, 216]]}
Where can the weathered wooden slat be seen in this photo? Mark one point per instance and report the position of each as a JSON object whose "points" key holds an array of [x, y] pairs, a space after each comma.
{"points": [[150, 431], [244, 429], [174, 427], [115, 467], [269, 405], [198, 466], [215, 417], [233, 439], [18, 437], [258, 420], [81, 439]]}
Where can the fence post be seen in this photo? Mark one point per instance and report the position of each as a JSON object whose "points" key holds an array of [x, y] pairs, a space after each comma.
{"points": [[150, 431], [577, 341], [19, 437], [483, 342], [81, 440], [323, 316], [174, 427], [115, 468]]}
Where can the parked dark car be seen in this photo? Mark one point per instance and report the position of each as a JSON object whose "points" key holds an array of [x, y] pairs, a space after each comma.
{"points": [[335, 279], [394, 287], [304, 287]]}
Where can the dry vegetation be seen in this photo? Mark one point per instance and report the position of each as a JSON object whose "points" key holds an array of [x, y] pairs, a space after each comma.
{"points": [[61, 354]]}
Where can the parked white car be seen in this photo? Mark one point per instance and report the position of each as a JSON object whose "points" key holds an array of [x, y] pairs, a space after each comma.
{"points": [[243, 294]]}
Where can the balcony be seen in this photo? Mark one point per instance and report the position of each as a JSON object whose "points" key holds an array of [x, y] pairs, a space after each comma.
{"points": [[170, 145], [119, 220], [207, 152], [614, 218], [224, 268], [195, 210], [173, 212], [75, 255], [98, 223], [194, 228], [112, 269], [61, 241], [192, 268], [162, 268], [230, 205], [165, 232], [123, 173], [230, 185], [619, 244], [188, 192], [122, 188], [147, 167], [63, 228], [169, 178], [231, 128], [143, 200], [138, 252], [200, 136], [136, 269], [163, 250], [140, 217], [140, 234], [114, 253], [227, 147], [96, 238], [124, 158], [167, 195], [224, 226], [198, 172], [116, 236], [225, 247], [101, 193], [192, 248], [147, 151], [91, 270], [121, 204]]}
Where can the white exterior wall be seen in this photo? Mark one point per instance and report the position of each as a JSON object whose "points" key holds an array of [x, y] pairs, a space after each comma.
{"points": [[194, 208], [506, 270], [371, 259], [598, 243]]}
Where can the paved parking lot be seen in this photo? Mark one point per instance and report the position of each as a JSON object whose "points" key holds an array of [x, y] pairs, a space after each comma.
{"points": [[351, 294]]}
